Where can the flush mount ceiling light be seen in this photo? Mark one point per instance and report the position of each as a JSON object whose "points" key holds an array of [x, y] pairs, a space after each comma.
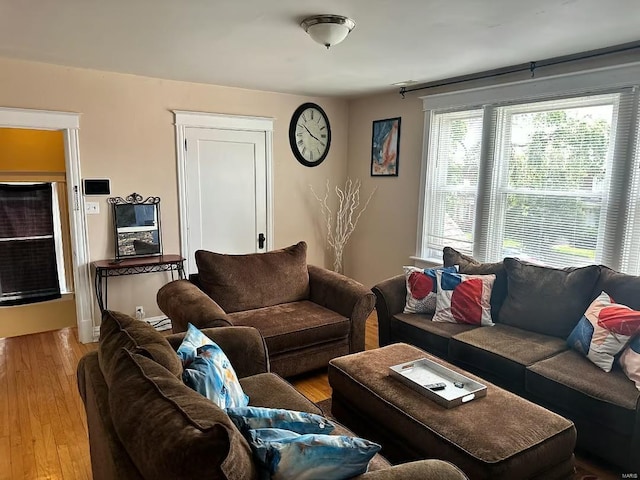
{"points": [[328, 30]]}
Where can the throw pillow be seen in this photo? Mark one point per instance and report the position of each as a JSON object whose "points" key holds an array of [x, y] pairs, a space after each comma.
{"points": [[209, 372], [470, 266], [286, 454], [630, 361], [421, 288], [192, 341], [546, 300], [250, 418], [604, 330], [245, 282], [464, 298]]}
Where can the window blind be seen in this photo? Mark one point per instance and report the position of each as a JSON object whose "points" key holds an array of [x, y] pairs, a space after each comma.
{"points": [[28, 267]]}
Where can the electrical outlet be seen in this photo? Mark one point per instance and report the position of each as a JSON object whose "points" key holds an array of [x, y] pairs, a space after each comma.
{"points": [[139, 312]]}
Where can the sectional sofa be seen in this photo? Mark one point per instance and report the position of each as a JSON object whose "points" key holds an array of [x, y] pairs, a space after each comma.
{"points": [[535, 309]]}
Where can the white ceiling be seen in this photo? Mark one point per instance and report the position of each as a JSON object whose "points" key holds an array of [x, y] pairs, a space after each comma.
{"points": [[258, 44]]}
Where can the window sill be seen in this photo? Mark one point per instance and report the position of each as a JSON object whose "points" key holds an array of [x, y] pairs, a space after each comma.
{"points": [[426, 262], [64, 298]]}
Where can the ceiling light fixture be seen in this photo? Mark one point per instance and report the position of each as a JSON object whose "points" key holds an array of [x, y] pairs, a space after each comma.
{"points": [[328, 30]]}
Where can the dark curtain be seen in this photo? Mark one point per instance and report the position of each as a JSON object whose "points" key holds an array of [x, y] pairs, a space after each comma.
{"points": [[28, 268]]}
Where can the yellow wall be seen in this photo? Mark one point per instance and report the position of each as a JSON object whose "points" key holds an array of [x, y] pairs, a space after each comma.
{"points": [[31, 150], [127, 134], [37, 317], [38, 154]]}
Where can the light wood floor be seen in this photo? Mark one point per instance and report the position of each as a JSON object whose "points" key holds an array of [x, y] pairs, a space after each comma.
{"points": [[43, 431]]}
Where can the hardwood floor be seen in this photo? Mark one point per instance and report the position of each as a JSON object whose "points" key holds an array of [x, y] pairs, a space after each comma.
{"points": [[43, 431]]}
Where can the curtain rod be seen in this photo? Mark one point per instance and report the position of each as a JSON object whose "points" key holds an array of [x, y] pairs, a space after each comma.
{"points": [[524, 67]]}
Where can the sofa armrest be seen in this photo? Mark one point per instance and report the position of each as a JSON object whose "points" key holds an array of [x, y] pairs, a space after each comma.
{"points": [[391, 296], [345, 296], [244, 346], [185, 303], [423, 469]]}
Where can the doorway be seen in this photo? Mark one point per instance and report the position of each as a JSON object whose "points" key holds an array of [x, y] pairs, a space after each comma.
{"points": [[69, 124], [224, 175]]}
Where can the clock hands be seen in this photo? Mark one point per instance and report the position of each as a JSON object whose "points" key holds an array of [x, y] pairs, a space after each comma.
{"points": [[305, 127]]}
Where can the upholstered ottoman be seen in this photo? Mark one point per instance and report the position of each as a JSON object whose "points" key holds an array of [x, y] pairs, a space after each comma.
{"points": [[500, 436]]}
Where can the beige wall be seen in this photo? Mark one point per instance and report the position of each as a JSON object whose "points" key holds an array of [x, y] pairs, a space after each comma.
{"points": [[385, 237], [127, 135]]}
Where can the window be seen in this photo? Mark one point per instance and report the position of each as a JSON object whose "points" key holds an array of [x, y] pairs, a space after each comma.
{"points": [[551, 181], [28, 261]]}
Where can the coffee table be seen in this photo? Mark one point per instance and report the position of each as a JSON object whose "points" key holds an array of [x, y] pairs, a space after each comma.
{"points": [[499, 436]]}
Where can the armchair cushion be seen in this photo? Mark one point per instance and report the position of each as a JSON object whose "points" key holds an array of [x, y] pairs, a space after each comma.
{"points": [[246, 282]]}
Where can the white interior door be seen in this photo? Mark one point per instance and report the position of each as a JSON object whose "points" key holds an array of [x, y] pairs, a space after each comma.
{"points": [[226, 191]]}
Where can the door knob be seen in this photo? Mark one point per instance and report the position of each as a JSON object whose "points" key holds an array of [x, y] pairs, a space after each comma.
{"points": [[261, 240]]}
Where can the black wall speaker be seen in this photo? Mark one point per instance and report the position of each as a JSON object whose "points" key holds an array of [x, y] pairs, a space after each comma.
{"points": [[97, 186]]}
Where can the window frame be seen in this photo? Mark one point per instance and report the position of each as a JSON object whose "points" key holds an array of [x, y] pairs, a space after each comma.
{"points": [[620, 79]]}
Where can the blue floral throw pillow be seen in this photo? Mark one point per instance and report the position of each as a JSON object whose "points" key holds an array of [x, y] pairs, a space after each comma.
{"points": [[285, 454], [192, 341], [249, 418], [209, 372]]}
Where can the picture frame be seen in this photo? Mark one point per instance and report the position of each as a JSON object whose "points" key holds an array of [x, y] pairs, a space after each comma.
{"points": [[385, 147]]}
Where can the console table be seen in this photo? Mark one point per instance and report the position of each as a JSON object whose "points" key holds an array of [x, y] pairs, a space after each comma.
{"points": [[132, 266]]}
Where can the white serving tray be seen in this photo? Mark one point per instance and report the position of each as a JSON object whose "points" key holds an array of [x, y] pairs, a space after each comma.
{"points": [[421, 372]]}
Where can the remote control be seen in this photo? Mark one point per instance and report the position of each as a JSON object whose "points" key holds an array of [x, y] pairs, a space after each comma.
{"points": [[436, 386]]}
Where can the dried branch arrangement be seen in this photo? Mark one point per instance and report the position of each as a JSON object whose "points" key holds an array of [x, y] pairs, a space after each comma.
{"points": [[346, 218]]}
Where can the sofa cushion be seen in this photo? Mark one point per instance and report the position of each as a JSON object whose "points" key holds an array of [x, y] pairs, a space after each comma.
{"points": [[546, 300], [463, 298], [295, 325], [604, 330], [170, 431], [272, 391], [623, 288], [421, 331], [471, 266], [245, 282], [501, 353], [570, 383], [118, 330]]}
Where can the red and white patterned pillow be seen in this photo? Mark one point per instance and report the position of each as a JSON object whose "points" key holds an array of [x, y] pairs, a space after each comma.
{"points": [[630, 361], [421, 288], [464, 298], [604, 330]]}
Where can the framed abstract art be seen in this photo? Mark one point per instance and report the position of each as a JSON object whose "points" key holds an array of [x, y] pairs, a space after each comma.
{"points": [[385, 147]]}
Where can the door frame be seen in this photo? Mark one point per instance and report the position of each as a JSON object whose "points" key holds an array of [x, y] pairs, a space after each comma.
{"points": [[185, 119], [69, 124]]}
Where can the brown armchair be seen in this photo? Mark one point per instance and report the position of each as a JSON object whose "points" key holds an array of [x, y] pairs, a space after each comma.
{"points": [[306, 314]]}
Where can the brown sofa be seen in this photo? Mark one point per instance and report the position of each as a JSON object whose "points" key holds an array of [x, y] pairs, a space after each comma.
{"points": [[144, 423], [534, 309], [306, 314]]}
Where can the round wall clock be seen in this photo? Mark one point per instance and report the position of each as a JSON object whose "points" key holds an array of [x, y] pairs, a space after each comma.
{"points": [[310, 134]]}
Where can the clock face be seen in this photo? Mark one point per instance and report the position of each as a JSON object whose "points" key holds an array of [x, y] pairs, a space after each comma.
{"points": [[310, 134]]}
